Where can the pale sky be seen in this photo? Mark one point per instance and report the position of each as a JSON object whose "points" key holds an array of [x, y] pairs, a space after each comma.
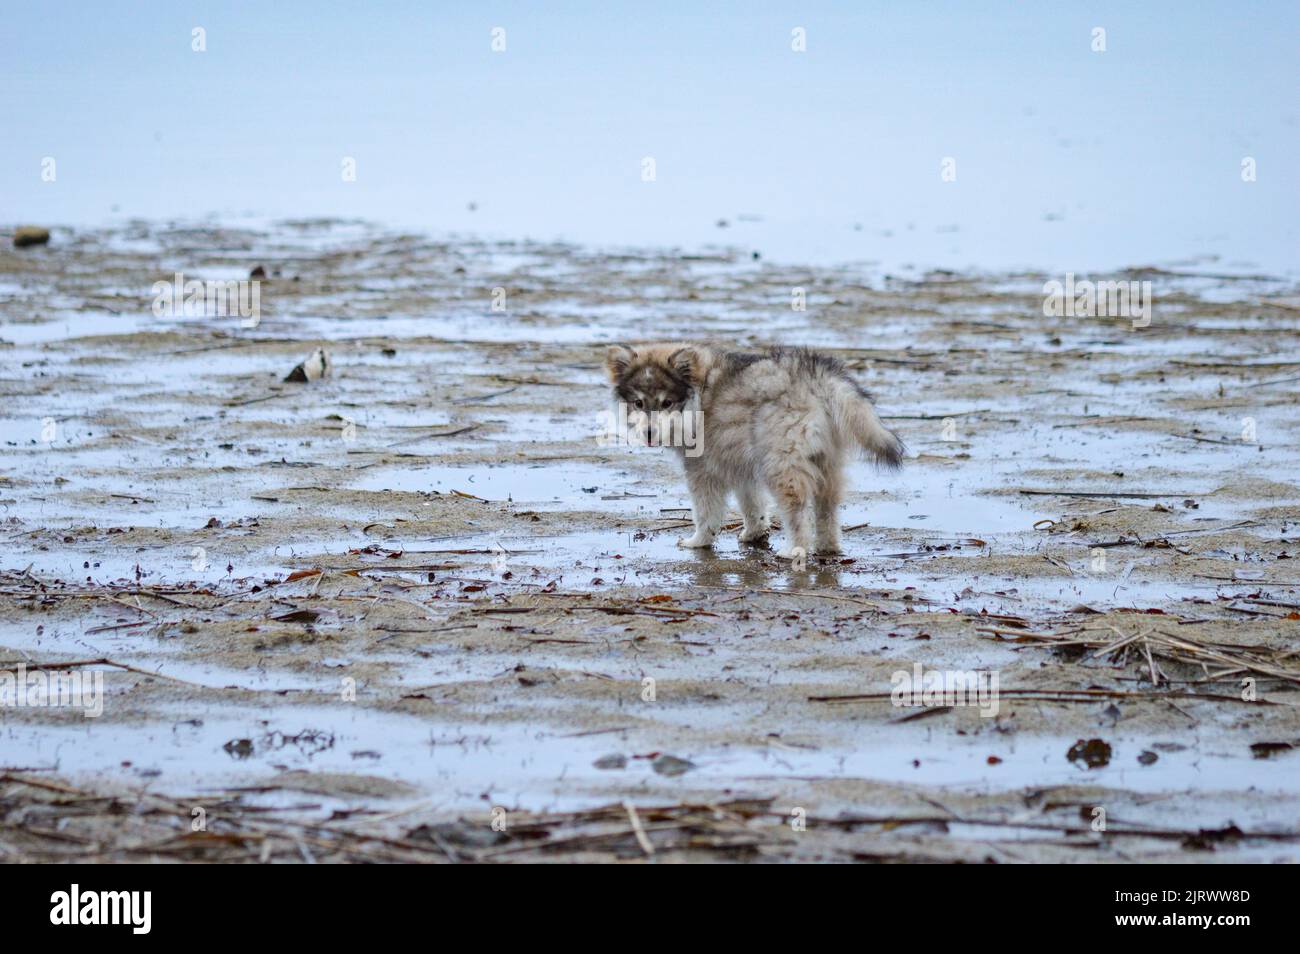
{"points": [[1065, 157]]}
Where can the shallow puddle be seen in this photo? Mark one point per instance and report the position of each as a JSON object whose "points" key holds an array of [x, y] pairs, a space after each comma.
{"points": [[578, 484], [456, 764]]}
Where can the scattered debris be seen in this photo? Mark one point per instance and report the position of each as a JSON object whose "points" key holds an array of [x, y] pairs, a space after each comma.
{"points": [[348, 537]]}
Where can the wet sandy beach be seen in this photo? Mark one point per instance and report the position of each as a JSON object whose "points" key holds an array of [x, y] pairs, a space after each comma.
{"points": [[417, 610]]}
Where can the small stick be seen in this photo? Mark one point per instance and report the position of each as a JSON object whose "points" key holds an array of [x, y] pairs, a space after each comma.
{"points": [[638, 830], [105, 662]]}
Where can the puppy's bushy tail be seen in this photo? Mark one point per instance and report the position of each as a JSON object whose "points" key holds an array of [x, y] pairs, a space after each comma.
{"points": [[858, 418]]}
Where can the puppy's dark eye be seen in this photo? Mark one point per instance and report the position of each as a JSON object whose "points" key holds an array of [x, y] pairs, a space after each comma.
{"points": [[666, 404], [639, 404]]}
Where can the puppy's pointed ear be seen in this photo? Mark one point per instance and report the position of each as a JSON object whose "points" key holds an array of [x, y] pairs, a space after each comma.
{"points": [[617, 360], [685, 362]]}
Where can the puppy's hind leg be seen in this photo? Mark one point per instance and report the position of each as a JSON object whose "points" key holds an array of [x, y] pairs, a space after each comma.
{"points": [[829, 495], [708, 506], [757, 524], [794, 489]]}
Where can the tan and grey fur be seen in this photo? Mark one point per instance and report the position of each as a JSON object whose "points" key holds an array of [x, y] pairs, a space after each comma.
{"points": [[782, 422]]}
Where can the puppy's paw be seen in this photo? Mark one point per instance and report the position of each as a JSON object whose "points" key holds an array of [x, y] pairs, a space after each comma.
{"points": [[758, 531], [829, 548], [696, 542]]}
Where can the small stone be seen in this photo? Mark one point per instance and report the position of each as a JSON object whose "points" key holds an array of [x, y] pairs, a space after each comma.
{"points": [[1093, 753], [239, 748], [315, 366], [26, 235], [671, 765]]}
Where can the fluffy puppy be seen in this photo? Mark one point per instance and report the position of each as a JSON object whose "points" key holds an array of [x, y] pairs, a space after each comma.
{"points": [[780, 422]]}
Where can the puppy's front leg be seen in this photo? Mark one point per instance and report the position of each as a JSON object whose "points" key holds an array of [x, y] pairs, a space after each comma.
{"points": [[708, 506], [757, 524]]}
